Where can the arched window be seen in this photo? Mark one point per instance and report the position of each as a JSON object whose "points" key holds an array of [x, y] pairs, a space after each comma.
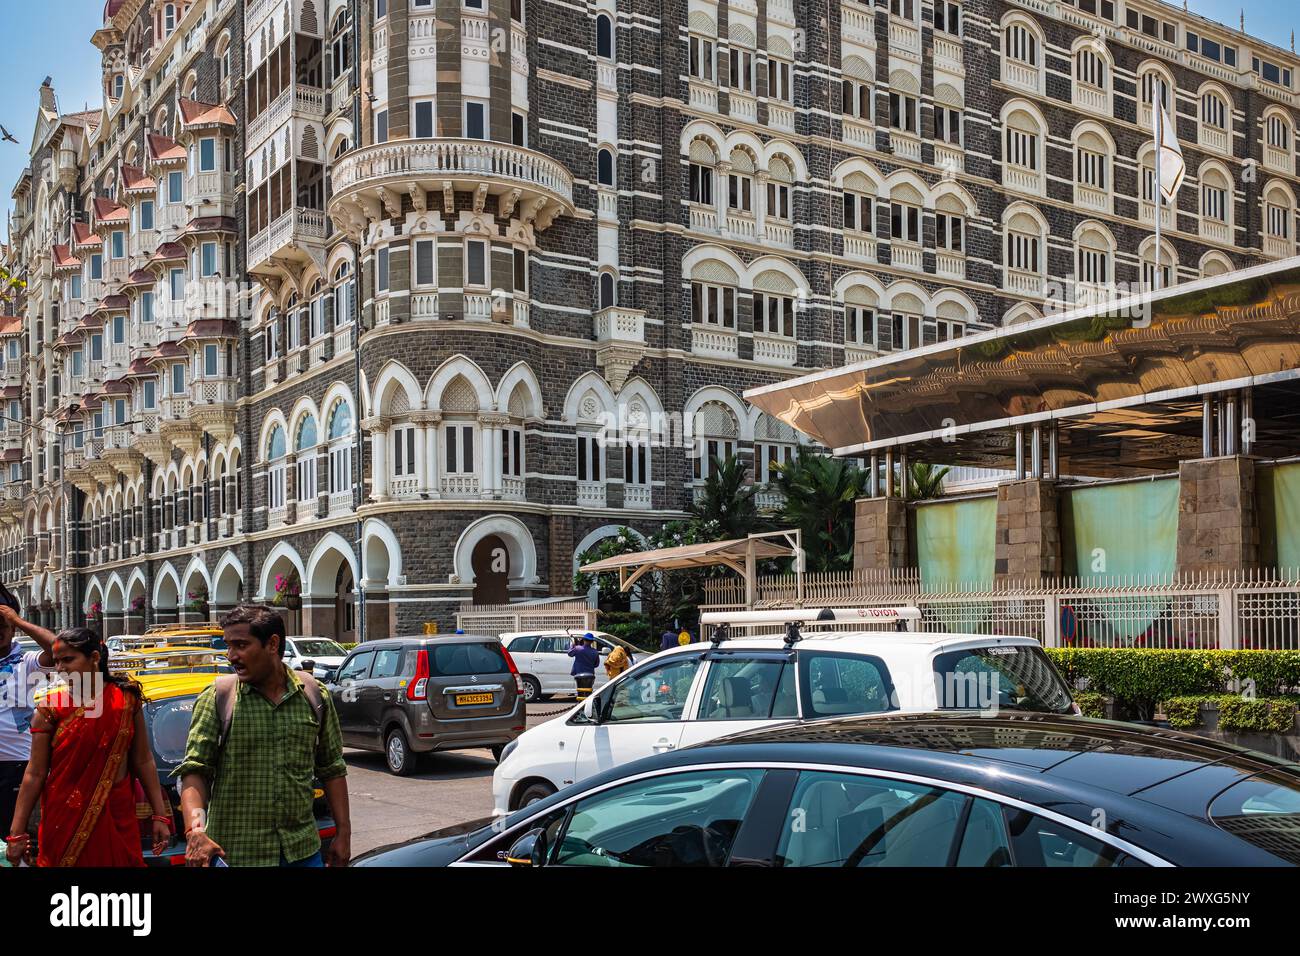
{"points": [[1093, 262], [340, 46], [716, 433], [275, 454], [780, 180], [604, 37], [1279, 135], [340, 441], [1092, 79], [1022, 161], [169, 19], [1092, 169], [1022, 55], [1215, 130], [605, 168], [1279, 220], [1216, 203], [702, 160], [345, 295], [607, 290], [1168, 264], [1026, 247], [305, 446]]}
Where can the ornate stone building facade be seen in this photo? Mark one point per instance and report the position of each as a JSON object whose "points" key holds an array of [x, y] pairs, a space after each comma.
{"points": [[402, 303]]}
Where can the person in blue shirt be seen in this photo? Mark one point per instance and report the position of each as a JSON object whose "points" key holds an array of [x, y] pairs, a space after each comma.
{"points": [[669, 639], [585, 662]]}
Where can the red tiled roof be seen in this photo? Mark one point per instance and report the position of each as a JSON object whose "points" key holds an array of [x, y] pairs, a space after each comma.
{"points": [[68, 340], [106, 210], [162, 149], [64, 259], [111, 7], [117, 387], [88, 322], [140, 278], [13, 454], [135, 180], [194, 113], [211, 224], [168, 350], [141, 365], [213, 328], [169, 252], [116, 303], [11, 391], [82, 237], [11, 325]]}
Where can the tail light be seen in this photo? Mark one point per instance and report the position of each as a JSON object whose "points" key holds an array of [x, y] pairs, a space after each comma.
{"points": [[418, 689], [510, 662]]}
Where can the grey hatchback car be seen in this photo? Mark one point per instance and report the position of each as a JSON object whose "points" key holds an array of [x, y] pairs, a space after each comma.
{"points": [[409, 696]]}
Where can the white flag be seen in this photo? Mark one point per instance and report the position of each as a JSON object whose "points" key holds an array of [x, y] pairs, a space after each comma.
{"points": [[1170, 161]]}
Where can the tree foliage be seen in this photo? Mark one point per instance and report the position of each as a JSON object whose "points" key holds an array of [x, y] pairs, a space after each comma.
{"points": [[925, 480], [726, 500], [819, 500]]}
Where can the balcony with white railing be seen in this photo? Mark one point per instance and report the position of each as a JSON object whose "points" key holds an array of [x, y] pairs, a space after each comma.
{"points": [[172, 217], [905, 255], [703, 96], [277, 516], [704, 218], [478, 307], [1213, 138], [215, 189], [1090, 197], [606, 77], [607, 204], [782, 11], [530, 185], [775, 350], [861, 247], [637, 497], [340, 503], [1215, 231], [858, 133], [1279, 160], [403, 486], [769, 499], [713, 341], [949, 157], [742, 106], [780, 116], [459, 486], [1021, 179], [512, 489], [379, 43], [290, 235], [904, 37], [1024, 283], [1278, 247], [949, 264], [424, 305], [383, 311], [948, 54], [522, 312], [1022, 76], [858, 26], [741, 225], [1147, 214], [620, 341], [779, 234], [854, 353], [905, 145], [1091, 99], [591, 494]]}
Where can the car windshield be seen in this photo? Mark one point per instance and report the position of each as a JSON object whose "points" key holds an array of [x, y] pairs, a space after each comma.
{"points": [[1263, 810], [1007, 677], [169, 727], [319, 648]]}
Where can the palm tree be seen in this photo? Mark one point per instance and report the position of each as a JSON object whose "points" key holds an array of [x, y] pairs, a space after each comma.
{"points": [[819, 500], [726, 501], [925, 480]]}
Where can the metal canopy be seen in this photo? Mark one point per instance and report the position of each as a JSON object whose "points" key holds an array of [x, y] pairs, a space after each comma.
{"points": [[1123, 383], [739, 554]]}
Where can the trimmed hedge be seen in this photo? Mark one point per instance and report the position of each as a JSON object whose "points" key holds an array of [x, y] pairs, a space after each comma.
{"points": [[1139, 679], [1268, 715]]}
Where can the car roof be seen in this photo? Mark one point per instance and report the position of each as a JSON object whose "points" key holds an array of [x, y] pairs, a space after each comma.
{"points": [[423, 640], [554, 632], [157, 687], [874, 642]]}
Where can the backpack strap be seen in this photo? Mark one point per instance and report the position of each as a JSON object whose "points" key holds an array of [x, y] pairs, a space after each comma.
{"points": [[311, 690], [223, 692]]}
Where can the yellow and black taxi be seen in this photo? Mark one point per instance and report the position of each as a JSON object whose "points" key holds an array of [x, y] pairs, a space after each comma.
{"points": [[169, 659], [168, 706]]}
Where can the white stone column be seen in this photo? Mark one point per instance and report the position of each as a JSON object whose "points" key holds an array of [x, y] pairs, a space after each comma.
{"points": [[720, 195], [760, 205], [490, 429], [426, 438], [431, 434], [378, 428]]}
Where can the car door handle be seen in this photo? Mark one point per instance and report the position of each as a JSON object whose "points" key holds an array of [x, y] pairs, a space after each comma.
{"points": [[663, 743]]}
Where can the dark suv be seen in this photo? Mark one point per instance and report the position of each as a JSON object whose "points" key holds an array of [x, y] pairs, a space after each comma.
{"points": [[409, 696]]}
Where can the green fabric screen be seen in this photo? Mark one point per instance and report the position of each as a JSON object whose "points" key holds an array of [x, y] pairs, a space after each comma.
{"points": [[955, 542], [1278, 496], [1135, 524]]}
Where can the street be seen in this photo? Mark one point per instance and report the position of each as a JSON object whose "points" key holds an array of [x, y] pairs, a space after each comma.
{"points": [[450, 787]]}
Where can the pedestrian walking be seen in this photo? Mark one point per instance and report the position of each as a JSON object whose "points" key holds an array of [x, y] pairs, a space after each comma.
{"points": [[617, 662], [585, 660], [257, 738], [667, 640], [19, 670], [89, 746]]}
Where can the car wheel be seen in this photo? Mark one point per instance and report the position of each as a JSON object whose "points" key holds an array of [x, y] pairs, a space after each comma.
{"points": [[533, 793], [532, 690], [397, 753]]}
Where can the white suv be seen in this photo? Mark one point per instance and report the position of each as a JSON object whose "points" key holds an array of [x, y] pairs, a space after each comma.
{"points": [[545, 666], [699, 692]]}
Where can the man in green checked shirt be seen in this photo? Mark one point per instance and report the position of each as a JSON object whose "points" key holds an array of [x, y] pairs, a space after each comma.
{"points": [[248, 798]]}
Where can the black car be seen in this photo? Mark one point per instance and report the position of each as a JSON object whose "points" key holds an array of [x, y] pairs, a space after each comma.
{"points": [[410, 696], [947, 789]]}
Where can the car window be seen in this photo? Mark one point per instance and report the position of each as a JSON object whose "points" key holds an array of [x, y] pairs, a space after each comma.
{"points": [[833, 684], [388, 662], [356, 667], [984, 841], [841, 819], [522, 645], [741, 689], [554, 645], [318, 648], [1038, 841], [1263, 810], [460, 660], [658, 693], [685, 819], [1010, 677], [495, 851]]}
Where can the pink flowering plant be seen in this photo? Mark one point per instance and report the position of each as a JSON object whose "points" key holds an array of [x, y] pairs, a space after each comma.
{"points": [[286, 586]]}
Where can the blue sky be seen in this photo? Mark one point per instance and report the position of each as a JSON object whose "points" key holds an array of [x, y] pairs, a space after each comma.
{"points": [[52, 38]]}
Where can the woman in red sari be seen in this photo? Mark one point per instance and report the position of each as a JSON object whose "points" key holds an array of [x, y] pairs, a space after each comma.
{"points": [[89, 740]]}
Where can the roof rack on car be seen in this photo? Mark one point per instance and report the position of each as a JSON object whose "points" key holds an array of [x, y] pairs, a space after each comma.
{"points": [[904, 619]]}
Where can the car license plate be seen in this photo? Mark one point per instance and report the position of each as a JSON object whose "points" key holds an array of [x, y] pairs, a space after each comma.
{"points": [[463, 700]]}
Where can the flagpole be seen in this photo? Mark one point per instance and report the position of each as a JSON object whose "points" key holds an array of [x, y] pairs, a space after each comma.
{"points": [[1157, 111]]}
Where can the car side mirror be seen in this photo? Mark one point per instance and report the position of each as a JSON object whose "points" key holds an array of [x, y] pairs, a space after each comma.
{"points": [[591, 709], [529, 849]]}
